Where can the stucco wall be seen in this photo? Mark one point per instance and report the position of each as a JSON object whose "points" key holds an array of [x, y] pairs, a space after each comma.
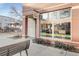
{"points": [[75, 24]]}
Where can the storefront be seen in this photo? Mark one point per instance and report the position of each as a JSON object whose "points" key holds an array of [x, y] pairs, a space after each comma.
{"points": [[60, 22]]}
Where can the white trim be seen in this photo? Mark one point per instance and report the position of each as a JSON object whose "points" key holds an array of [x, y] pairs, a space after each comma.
{"points": [[71, 24]]}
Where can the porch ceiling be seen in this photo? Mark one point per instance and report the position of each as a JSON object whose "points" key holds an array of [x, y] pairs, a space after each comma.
{"points": [[39, 7], [45, 7]]}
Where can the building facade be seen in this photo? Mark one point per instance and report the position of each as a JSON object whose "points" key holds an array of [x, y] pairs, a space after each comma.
{"points": [[58, 22], [8, 24]]}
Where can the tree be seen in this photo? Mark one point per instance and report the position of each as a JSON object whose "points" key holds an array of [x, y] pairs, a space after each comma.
{"points": [[15, 13]]}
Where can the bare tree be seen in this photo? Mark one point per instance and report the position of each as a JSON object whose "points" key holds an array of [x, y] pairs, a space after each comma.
{"points": [[14, 12]]}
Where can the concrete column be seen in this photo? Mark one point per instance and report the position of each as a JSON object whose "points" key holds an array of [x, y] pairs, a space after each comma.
{"points": [[52, 30], [37, 34], [24, 26]]}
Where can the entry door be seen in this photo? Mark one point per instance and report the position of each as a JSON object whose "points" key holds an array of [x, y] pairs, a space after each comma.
{"points": [[31, 27]]}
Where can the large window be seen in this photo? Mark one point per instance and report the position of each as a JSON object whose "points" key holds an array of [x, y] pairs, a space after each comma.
{"points": [[57, 30]]}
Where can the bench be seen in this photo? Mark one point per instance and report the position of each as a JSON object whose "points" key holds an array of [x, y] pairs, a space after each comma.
{"points": [[15, 48], [3, 51]]}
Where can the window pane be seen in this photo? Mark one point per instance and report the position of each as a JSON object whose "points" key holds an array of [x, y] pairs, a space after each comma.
{"points": [[62, 30], [46, 30], [45, 16], [54, 15], [64, 13]]}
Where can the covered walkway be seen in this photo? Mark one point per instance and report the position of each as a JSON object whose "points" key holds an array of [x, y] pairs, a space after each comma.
{"points": [[35, 49], [41, 50]]}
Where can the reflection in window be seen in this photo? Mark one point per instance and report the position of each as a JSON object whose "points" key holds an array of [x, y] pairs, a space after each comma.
{"points": [[46, 30], [62, 30], [54, 15], [44, 16], [64, 13]]}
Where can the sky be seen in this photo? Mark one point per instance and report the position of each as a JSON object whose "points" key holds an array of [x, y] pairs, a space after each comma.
{"points": [[5, 9]]}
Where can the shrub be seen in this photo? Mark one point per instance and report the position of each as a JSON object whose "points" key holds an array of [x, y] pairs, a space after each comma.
{"points": [[59, 44], [47, 42], [69, 47], [42, 41], [64, 46]]}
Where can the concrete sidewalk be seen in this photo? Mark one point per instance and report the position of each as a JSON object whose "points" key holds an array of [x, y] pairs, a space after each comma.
{"points": [[41, 50], [37, 49]]}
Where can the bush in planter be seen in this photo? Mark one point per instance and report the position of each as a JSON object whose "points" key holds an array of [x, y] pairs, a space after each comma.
{"points": [[59, 44], [39, 41], [69, 47], [42, 41], [56, 44], [36, 40], [64, 46], [47, 42]]}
